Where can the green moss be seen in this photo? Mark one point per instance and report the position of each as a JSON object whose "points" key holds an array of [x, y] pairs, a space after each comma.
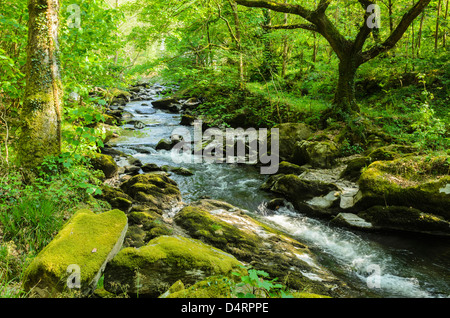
{"points": [[409, 181], [106, 164], [86, 240], [203, 225], [308, 295], [162, 262], [212, 287], [184, 252]]}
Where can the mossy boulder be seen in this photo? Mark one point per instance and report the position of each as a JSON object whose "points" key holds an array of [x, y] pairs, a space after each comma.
{"points": [[289, 168], [115, 197], [203, 225], [165, 144], [211, 287], [177, 170], [413, 181], [106, 164], [144, 226], [227, 227], [289, 134], [150, 270], [319, 154], [154, 189], [401, 218], [87, 240], [355, 166], [297, 190]]}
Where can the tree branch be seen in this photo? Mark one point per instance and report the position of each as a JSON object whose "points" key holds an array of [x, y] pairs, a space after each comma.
{"points": [[398, 32], [305, 26]]}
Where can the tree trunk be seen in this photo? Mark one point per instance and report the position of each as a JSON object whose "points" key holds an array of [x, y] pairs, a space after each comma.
{"points": [[436, 37], [40, 134], [344, 98], [445, 31]]}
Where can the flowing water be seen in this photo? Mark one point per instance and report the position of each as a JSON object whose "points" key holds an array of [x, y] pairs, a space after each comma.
{"points": [[377, 265]]}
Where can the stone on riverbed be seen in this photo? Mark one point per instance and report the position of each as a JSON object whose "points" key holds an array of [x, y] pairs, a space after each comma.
{"points": [[226, 227], [155, 190]]}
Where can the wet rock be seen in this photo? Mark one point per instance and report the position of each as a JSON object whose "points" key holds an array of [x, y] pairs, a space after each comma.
{"points": [[187, 120], [165, 144], [406, 219], [132, 170], [352, 220], [149, 167], [226, 227], [164, 103]]}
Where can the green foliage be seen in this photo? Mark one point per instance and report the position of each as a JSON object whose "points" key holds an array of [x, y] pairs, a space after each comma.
{"points": [[348, 149], [32, 222], [257, 284]]}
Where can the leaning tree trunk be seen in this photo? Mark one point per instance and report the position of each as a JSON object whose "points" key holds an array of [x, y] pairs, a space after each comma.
{"points": [[344, 98], [40, 134]]}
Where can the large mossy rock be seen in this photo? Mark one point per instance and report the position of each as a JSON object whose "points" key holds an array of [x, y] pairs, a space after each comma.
{"points": [[87, 240], [289, 134], [298, 191], [115, 197], [401, 218], [154, 189], [355, 166], [415, 181], [319, 154], [106, 164], [226, 227], [150, 270]]}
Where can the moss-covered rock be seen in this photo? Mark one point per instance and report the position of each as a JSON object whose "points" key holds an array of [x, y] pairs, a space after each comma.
{"points": [[203, 225], [298, 190], [106, 164], [319, 154], [401, 218], [155, 190], [150, 270], [289, 134], [87, 240], [224, 226], [115, 197], [289, 168], [414, 181], [211, 287], [355, 166]]}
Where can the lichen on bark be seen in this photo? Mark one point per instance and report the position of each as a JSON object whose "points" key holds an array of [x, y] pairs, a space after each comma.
{"points": [[40, 133]]}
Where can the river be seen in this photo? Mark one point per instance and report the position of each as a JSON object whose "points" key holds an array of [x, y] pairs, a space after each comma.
{"points": [[375, 264]]}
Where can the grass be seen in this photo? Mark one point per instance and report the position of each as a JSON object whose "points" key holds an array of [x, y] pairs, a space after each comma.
{"points": [[294, 102]]}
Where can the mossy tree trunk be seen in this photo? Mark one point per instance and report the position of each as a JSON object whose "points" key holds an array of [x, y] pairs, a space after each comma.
{"points": [[344, 98], [40, 134]]}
